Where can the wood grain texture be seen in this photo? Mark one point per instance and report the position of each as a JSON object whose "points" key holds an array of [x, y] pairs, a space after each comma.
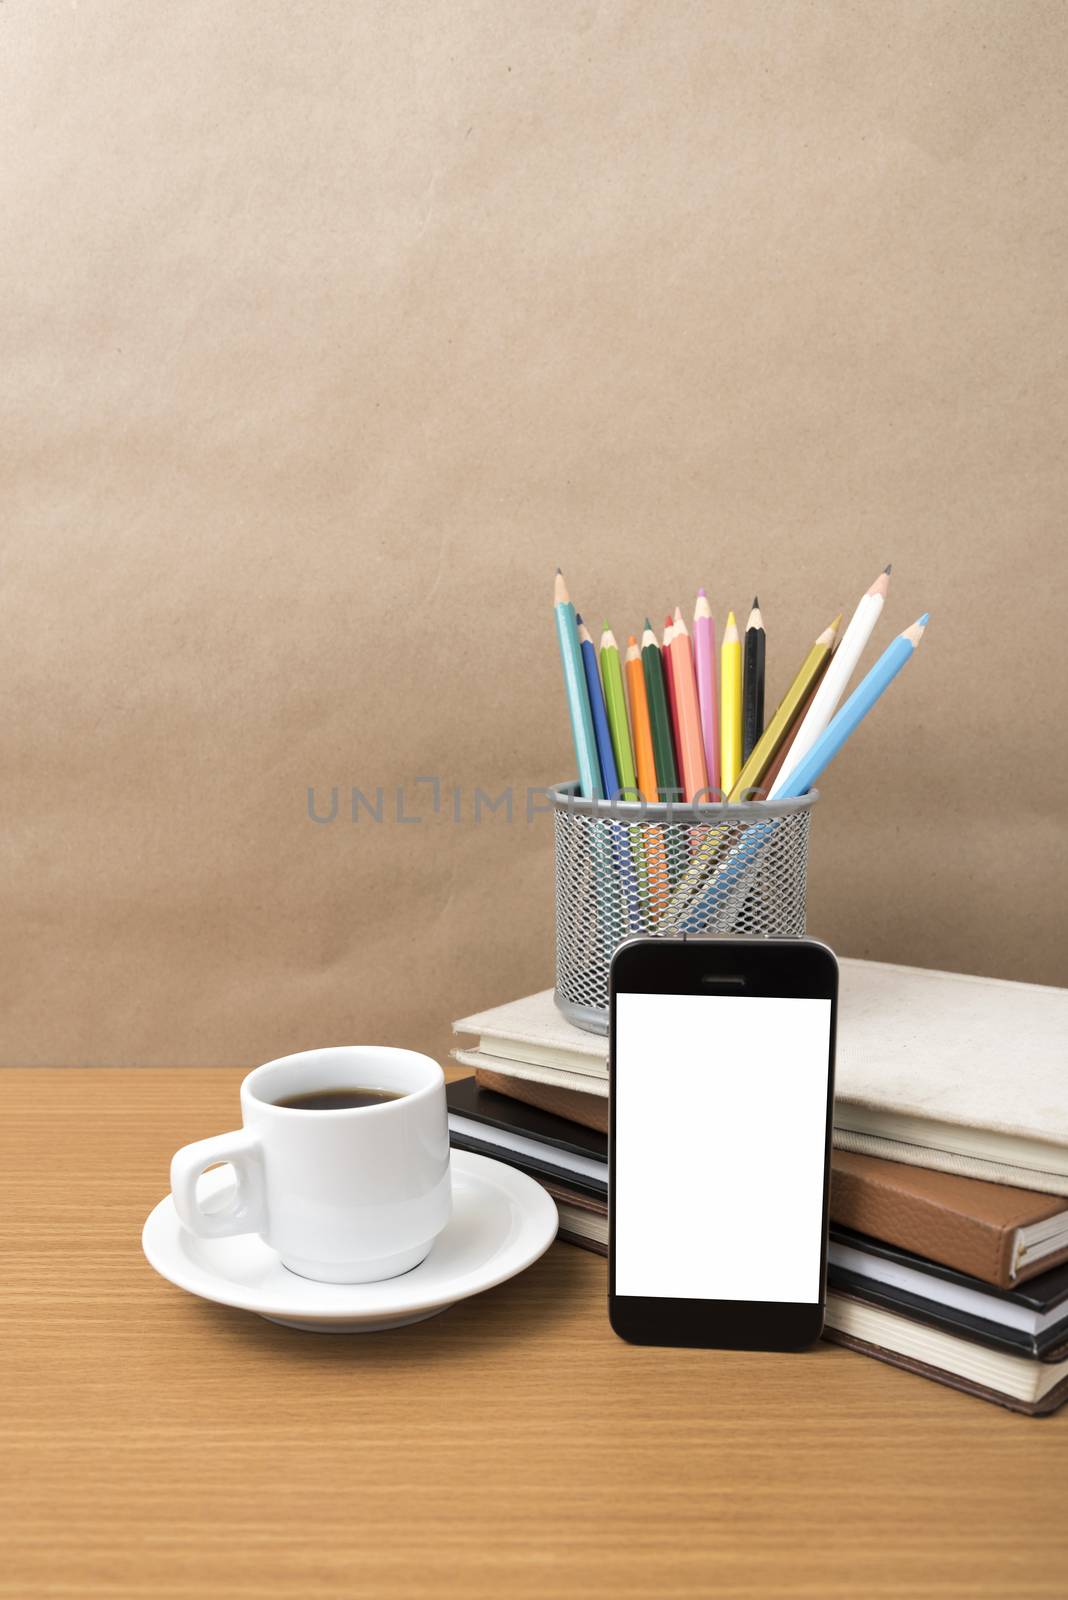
{"points": [[157, 1445]]}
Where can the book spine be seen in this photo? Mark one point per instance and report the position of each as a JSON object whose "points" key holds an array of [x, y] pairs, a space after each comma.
{"points": [[927, 1229], [595, 1247]]}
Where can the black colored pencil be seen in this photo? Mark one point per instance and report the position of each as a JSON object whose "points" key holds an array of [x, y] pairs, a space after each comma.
{"points": [[753, 681]]}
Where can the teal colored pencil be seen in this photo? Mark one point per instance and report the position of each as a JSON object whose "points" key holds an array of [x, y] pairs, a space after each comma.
{"points": [[578, 699], [897, 653]]}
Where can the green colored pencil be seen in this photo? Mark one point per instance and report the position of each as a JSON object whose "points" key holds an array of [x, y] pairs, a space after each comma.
{"points": [[667, 778], [616, 703]]}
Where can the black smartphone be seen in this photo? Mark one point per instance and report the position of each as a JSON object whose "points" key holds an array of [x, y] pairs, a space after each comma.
{"points": [[721, 1087]]}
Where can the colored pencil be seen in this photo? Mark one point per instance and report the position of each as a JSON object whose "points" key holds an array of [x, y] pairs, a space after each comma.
{"points": [[897, 654], [644, 760], [669, 685], [578, 699], [605, 756], [730, 701], [837, 676], [653, 866], [615, 700], [704, 645], [768, 780], [688, 711], [649, 855], [767, 746], [753, 681], [659, 716], [689, 903]]}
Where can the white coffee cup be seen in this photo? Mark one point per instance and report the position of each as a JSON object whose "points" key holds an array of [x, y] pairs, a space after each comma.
{"points": [[344, 1196]]}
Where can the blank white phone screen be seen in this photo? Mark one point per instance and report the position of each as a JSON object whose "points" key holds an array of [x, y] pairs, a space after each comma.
{"points": [[720, 1133]]}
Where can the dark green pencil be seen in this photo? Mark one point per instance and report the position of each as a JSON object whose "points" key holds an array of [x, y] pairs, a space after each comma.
{"points": [[667, 778]]}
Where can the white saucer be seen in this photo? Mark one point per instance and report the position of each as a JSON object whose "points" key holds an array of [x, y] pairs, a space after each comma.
{"points": [[501, 1222]]}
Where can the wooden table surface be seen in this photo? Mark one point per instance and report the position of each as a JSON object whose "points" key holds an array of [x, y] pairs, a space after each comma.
{"points": [[154, 1445]]}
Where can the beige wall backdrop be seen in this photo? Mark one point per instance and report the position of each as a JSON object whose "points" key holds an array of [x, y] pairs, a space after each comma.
{"points": [[329, 330]]}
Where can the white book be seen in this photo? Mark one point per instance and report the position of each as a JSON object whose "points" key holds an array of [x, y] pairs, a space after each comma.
{"points": [[532, 1033], [559, 1077], [937, 1069], [1019, 1378]]}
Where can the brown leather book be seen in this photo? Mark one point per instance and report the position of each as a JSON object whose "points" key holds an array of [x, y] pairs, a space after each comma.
{"points": [[997, 1233], [992, 1231], [591, 1110]]}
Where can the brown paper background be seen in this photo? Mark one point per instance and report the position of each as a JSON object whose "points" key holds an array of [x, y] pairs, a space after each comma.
{"points": [[329, 330]]}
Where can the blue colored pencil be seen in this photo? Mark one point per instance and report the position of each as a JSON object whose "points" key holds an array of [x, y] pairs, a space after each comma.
{"points": [[894, 657], [602, 732], [578, 699]]}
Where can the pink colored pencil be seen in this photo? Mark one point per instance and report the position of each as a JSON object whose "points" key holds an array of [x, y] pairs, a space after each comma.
{"points": [[704, 640], [691, 747], [669, 679]]}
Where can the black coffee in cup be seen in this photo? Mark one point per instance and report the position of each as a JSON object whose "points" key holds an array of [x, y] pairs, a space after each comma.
{"points": [[346, 1099]]}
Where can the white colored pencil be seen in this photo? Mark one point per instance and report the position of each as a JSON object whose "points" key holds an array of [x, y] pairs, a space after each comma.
{"points": [[835, 679]]}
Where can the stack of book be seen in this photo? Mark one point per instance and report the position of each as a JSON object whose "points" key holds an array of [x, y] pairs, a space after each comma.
{"points": [[948, 1250]]}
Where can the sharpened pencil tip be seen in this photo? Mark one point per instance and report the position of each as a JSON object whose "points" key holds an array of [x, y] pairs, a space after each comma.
{"points": [[925, 619], [702, 593], [756, 602], [887, 568], [648, 624], [578, 618]]}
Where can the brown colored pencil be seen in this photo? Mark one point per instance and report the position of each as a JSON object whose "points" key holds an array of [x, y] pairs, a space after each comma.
{"points": [[776, 766]]}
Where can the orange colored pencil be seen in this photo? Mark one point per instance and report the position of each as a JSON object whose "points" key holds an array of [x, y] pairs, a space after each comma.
{"points": [[640, 727], [689, 739], [653, 872]]}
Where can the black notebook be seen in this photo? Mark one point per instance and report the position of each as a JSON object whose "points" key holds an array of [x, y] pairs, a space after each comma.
{"points": [[534, 1141], [1031, 1320]]}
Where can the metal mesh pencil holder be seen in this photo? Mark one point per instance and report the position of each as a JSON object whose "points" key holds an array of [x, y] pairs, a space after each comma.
{"points": [[628, 869]]}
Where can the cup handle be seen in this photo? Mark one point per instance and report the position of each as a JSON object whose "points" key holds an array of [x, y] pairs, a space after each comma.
{"points": [[247, 1212]]}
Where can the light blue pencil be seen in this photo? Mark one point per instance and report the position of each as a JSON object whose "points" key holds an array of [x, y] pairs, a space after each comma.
{"points": [[894, 657], [578, 699]]}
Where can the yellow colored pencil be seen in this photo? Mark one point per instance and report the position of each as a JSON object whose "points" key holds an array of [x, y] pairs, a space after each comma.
{"points": [[790, 706], [730, 706]]}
